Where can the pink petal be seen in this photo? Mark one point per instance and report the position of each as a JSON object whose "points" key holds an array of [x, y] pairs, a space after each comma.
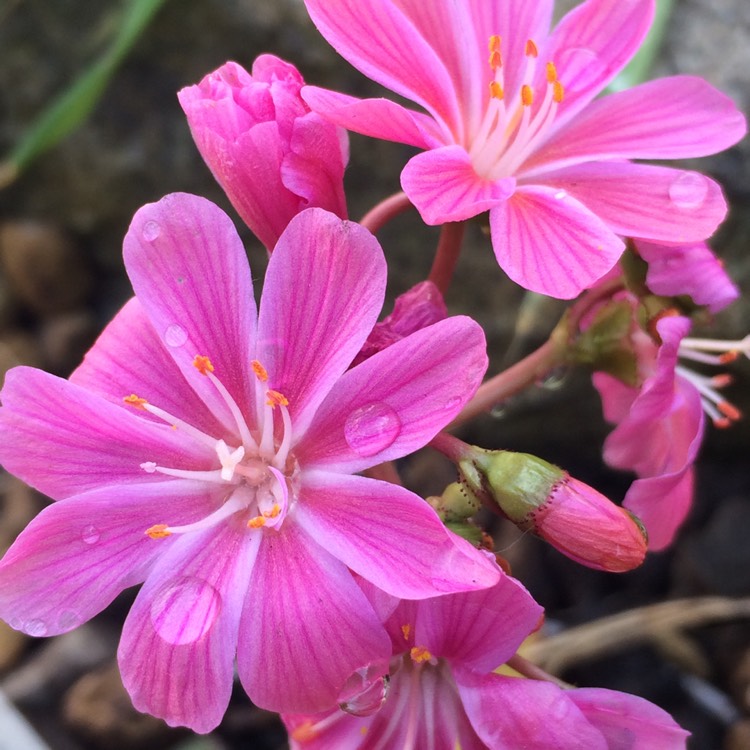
{"points": [[64, 440], [591, 44], [636, 200], [322, 294], [397, 400], [77, 555], [671, 118], [378, 118], [306, 626], [629, 722], [510, 712], [478, 630], [550, 243], [389, 536], [617, 397], [380, 40], [443, 186], [129, 358], [178, 644], [190, 273]]}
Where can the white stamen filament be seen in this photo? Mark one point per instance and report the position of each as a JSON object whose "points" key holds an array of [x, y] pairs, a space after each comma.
{"points": [[235, 503], [244, 431], [188, 429]]}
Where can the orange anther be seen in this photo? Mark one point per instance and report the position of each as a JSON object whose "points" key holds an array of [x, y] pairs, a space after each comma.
{"points": [[730, 356], [136, 401], [406, 630], [276, 399], [496, 90], [730, 411], [558, 91], [722, 380], [273, 512], [721, 423], [496, 59], [304, 732], [527, 95], [551, 72], [531, 49], [419, 654], [160, 531], [203, 364], [494, 44], [256, 523], [260, 372]]}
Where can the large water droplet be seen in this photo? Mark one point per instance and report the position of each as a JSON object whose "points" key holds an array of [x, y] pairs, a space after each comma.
{"points": [[366, 690], [175, 336], [151, 231], [689, 190], [37, 628], [372, 428], [185, 611], [580, 69], [90, 534]]}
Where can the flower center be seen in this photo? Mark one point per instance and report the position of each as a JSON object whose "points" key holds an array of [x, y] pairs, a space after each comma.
{"points": [[511, 130], [257, 468]]}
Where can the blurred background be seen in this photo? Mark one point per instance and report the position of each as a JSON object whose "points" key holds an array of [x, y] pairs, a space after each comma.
{"points": [[62, 221]]}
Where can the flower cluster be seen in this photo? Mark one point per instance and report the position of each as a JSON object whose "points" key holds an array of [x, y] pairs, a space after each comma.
{"points": [[238, 460]]}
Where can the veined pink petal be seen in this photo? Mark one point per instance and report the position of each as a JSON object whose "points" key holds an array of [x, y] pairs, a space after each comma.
{"points": [[671, 118], [548, 242], [378, 118], [629, 722], [443, 186], [306, 626], [190, 273], [130, 358], [638, 200], [176, 655], [397, 400], [478, 630], [369, 525], [400, 59], [76, 556], [511, 712], [322, 294], [64, 440], [592, 44]]}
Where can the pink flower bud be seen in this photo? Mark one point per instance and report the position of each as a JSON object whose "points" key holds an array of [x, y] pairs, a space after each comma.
{"points": [[272, 156]]}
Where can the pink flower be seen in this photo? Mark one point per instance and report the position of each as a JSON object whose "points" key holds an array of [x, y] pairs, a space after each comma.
{"points": [[521, 134], [270, 153], [208, 450], [444, 694]]}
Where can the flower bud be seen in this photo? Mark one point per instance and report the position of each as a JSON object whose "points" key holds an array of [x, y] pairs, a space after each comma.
{"points": [[545, 500]]}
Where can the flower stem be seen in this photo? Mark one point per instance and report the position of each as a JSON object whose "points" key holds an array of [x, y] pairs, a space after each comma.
{"points": [[530, 670], [446, 256], [450, 446], [378, 216]]}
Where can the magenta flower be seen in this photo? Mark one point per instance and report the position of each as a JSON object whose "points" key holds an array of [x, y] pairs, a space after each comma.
{"points": [[443, 693], [208, 451], [270, 153], [517, 131]]}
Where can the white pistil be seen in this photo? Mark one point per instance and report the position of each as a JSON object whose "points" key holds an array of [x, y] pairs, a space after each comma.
{"points": [[229, 460]]}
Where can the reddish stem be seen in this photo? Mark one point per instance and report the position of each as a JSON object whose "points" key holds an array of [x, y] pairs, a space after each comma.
{"points": [[446, 255], [378, 216], [450, 446], [530, 670]]}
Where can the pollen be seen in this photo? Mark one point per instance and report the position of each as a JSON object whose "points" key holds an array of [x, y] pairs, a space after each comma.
{"points": [[419, 655], [496, 58], [203, 364], [730, 356], [260, 372], [256, 523], [730, 411], [551, 72], [406, 630], [160, 531], [136, 401], [304, 732], [531, 49], [527, 95], [558, 91], [276, 399], [496, 90], [273, 513]]}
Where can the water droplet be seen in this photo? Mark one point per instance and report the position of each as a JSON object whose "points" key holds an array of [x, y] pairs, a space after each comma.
{"points": [[175, 336], [554, 379], [372, 428], [68, 619], [151, 231], [90, 534], [366, 690], [580, 69], [560, 194], [185, 611], [499, 411], [689, 190], [37, 628], [453, 404]]}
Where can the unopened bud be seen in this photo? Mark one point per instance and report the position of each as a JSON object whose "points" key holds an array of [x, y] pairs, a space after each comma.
{"points": [[455, 507], [542, 498]]}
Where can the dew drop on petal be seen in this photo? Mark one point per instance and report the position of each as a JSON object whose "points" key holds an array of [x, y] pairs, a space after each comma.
{"points": [[365, 691], [372, 428], [499, 411], [36, 628], [185, 611], [68, 619], [560, 194], [175, 336], [580, 69], [453, 404], [689, 190], [90, 534], [151, 231]]}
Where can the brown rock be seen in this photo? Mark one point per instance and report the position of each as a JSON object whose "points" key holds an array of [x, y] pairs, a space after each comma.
{"points": [[64, 340], [738, 736], [12, 645]]}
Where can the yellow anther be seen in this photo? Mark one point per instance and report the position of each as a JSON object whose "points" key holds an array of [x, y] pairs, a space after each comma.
{"points": [[203, 364], [494, 45], [273, 512], [419, 654], [496, 60], [558, 91], [160, 531], [531, 49], [136, 401], [260, 372], [527, 95], [256, 523], [551, 72], [406, 630], [496, 90], [276, 399]]}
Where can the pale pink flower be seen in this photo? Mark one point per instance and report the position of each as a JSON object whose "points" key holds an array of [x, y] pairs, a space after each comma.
{"points": [[517, 130], [270, 153], [443, 693], [209, 450]]}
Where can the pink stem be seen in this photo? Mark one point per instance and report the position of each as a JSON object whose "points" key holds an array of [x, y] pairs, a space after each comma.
{"points": [[378, 216], [446, 256], [530, 670]]}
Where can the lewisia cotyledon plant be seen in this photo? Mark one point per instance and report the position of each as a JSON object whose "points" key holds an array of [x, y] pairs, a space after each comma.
{"points": [[513, 126], [210, 451]]}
